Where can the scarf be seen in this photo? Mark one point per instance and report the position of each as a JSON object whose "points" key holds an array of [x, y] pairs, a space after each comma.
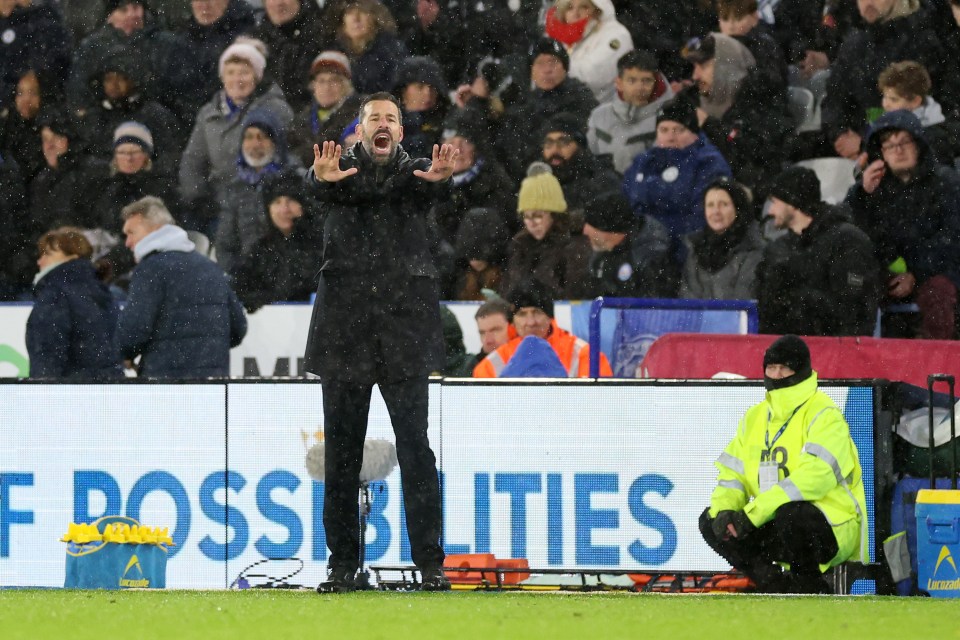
{"points": [[468, 176], [567, 33], [714, 249]]}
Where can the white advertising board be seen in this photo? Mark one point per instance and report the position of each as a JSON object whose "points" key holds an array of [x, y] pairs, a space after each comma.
{"points": [[566, 475]]}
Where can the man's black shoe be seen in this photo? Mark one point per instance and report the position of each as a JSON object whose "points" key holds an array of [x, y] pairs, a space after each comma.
{"points": [[434, 580], [339, 581]]}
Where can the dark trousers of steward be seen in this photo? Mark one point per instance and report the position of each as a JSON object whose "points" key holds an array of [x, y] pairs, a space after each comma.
{"points": [[346, 406], [799, 535]]}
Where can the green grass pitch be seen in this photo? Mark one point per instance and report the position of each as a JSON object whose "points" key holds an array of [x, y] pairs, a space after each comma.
{"points": [[275, 615]]}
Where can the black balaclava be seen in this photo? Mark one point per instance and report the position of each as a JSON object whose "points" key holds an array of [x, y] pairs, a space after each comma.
{"points": [[791, 351]]}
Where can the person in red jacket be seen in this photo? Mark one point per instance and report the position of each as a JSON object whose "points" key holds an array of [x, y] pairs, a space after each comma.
{"points": [[533, 316]]}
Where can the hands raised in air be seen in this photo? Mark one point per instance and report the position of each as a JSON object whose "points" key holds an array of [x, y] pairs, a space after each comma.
{"points": [[326, 163], [441, 165]]}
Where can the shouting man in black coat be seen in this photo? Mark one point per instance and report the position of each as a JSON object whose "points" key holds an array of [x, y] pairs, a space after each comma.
{"points": [[376, 320]]}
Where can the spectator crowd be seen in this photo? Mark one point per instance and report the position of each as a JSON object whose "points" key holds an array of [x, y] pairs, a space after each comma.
{"points": [[620, 148]]}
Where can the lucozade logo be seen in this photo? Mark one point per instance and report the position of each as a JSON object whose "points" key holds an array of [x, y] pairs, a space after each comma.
{"points": [[127, 581], [944, 585]]}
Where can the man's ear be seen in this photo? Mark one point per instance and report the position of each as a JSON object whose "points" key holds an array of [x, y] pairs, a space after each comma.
{"points": [[401, 134], [358, 131]]}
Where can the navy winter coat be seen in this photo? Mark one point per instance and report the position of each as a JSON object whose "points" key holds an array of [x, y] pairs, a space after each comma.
{"points": [[181, 316], [70, 330]]}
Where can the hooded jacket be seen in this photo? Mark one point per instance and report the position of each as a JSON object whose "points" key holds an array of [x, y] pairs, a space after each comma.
{"points": [[205, 43], [70, 329], [593, 59], [823, 282], [735, 280], [818, 463], [918, 220], [181, 316], [624, 131]]}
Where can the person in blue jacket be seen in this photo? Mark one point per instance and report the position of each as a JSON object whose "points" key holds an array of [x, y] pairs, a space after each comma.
{"points": [[70, 329], [182, 318], [668, 180]]}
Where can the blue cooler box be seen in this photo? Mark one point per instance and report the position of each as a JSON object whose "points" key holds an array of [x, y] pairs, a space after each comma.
{"points": [[109, 565], [938, 542]]}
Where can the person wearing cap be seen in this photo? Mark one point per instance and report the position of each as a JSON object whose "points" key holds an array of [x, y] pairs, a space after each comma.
{"points": [[545, 249], [209, 161], [625, 127], [552, 91], [631, 256], [532, 302], [594, 39], [422, 91], [722, 258], [334, 105], [62, 193], [581, 174], [294, 31], [742, 110], [909, 205], [211, 27], [790, 487], [367, 33], [668, 180], [131, 29], [479, 254], [281, 265], [119, 87], [262, 153], [821, 278], [376, 321]]}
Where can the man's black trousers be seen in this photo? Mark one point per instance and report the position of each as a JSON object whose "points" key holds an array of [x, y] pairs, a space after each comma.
{"points": [[346, 406]]}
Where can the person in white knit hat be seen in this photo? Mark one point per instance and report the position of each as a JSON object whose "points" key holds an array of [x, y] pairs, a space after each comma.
{"points": [[209, 160]]}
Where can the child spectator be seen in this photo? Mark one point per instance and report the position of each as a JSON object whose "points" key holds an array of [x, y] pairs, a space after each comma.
{"points": [[907, 85]]}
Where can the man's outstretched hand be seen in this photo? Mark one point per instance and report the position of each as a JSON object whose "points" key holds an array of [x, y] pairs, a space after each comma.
{"points": [[326, 163], [441, 166]]}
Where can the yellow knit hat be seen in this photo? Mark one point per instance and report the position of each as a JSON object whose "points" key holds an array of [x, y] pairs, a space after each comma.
{"points": [[541, 192]]}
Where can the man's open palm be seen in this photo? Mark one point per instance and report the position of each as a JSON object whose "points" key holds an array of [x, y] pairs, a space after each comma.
{"points": [[441, 165], [326, 163]]}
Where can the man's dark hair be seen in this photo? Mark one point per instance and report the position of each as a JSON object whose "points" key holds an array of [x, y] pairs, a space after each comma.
{"points": [[380, 95], [493, 307], [637, 59]]}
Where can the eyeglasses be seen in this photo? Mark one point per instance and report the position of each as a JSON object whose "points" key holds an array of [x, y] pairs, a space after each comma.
{"points": [[896, 146], [562, 141], [535, 216]]}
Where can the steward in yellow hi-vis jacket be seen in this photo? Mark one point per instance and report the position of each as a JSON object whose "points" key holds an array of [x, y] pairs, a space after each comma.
{"points": [[789, 491]]}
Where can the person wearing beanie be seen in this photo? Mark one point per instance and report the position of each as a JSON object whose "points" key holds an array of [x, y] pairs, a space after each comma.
{"points": [[262, 154], [722, 257], [532, 302], [594, 39], [281, 264], [789, 489], [822, 277], [624, 127], [209, 161], [582, 175], [132, 31], [631, 256], [551, 92], [908, 205], [668, 180], [333, 106], [545, 249], [742, 109], [294, 32]]}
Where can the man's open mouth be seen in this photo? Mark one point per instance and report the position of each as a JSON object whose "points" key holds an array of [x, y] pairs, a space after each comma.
{"points": [[381, 142]]}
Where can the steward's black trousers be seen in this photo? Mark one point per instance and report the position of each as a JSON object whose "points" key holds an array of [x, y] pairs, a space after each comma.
{"points": [[346, 406]]}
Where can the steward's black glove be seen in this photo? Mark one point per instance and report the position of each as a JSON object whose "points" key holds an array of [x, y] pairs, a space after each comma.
{"points": [[719, 524], [742, 525]]}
